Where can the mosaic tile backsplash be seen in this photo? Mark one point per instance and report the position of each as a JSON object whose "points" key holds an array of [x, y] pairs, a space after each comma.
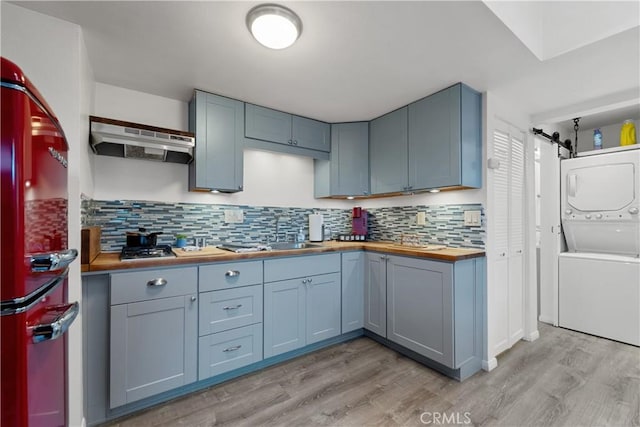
{"points": [[445, 224]]}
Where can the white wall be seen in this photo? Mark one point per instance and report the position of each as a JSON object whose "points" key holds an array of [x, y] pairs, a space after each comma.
{"points": [[51, 53], [270, 179]]}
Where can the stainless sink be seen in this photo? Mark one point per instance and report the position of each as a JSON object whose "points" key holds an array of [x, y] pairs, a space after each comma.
{"points": [[286, 246]]}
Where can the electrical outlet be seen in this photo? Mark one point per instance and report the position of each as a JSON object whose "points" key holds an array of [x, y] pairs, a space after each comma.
{"points": [[421, 218], [234, 216]]}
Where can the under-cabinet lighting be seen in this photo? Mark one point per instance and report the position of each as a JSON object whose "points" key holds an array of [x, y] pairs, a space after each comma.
{"points": [[434, 190]]}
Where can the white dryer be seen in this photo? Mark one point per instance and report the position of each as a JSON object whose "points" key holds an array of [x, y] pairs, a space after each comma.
{"points": [[599, 283]]}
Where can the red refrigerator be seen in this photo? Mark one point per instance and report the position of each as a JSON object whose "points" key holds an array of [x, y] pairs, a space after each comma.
{"points": [[34, 258]]}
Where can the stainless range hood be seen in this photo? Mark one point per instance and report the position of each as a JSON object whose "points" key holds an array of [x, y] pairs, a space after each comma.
{"points": [[132, 140]]}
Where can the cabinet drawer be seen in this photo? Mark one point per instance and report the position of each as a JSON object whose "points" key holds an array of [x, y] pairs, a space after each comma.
{"points": [[229, 275], [136, 286], [230, 308], [228, 350], [291, 268]]}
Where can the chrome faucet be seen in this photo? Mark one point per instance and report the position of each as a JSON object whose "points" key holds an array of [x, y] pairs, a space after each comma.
{"points": [[278, 218]]}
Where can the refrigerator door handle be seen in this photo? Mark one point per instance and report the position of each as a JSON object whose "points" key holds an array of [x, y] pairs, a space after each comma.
{"points": [[53, 330], [52, 261]]}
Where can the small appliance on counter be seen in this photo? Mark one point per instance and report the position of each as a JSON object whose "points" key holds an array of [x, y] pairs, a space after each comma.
{"points": [[316, 227], [359, 222]]}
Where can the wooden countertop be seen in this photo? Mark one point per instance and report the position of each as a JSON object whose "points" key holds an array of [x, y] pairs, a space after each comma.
{"points": [[111, 260]]}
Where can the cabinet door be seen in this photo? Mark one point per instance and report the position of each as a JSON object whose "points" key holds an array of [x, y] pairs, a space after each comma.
{"points": [[350, 159], [268, 125], [218, 124], [323, 307], [434, 140], [352, 291], [284, 316], [419, 309], [375, 293], [312, 134], [153, 347], [388, 154]]}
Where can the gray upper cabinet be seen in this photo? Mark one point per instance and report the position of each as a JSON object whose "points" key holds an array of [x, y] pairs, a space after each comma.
{"points": [[375, 293], [388, 153], [419, 307], [268, 125], [282, 128], [218, 124], [445, 141], [347, 171]]}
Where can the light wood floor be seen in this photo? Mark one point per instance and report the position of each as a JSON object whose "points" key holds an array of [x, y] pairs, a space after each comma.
{"points": [[564, 378]]}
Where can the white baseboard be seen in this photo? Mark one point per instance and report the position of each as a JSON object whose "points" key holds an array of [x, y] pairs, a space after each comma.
{"points": [[532, 336], [549, 320], [489, 365]]}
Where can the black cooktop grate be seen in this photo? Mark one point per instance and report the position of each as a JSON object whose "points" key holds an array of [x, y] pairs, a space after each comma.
{"points": [[142, 252]]}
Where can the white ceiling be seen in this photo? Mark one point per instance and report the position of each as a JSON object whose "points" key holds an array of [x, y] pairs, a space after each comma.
{"points": [[354, 60]]}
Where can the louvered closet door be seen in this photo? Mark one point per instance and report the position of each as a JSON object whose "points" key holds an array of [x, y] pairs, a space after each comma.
{"points": [[507, 312], [499, 312], [516, 239]]}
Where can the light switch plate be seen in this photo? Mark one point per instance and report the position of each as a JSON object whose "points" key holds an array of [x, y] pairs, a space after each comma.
{"points": [[472, 218], [234, 216], [421, 218]]}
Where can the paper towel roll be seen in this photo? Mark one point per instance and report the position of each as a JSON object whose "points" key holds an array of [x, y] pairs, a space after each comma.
{"points": [[315, 227]]}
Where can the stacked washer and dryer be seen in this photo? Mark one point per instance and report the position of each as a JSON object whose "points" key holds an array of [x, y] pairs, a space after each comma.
{"points": [[599, 283]]}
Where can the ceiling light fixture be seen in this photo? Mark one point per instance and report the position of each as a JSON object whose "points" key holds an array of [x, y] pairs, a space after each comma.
{"points": [[274, 26]]}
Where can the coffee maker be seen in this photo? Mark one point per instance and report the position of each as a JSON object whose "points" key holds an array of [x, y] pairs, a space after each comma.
{"points": [[359, 222]]}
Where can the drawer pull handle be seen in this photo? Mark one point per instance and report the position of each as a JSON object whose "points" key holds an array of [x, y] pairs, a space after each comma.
{"points": [[232, 273], [235, 307], [234, 348], [157, 282]]}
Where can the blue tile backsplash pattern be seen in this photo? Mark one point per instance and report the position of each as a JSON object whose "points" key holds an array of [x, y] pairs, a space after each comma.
{"points": [[116, 217]]}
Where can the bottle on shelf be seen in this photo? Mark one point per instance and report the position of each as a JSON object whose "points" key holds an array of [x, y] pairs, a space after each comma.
{"points": [[597, 139], [628, 133]]}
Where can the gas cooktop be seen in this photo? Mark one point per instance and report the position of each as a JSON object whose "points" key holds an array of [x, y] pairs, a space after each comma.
{"points": [[146, 252]]}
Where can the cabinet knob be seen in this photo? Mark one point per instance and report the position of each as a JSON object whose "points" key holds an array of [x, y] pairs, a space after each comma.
{"points": [[157, 282], [232, 273], [633, 210], [383, 257], [290, 142], [295, 142], [193, 299], [305, 281]]}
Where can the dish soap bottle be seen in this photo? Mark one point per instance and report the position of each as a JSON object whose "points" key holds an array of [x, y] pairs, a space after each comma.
{"points": [[597, 139], [628, 133]]}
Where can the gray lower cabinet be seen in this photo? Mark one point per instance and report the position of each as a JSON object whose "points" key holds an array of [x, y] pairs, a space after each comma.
{"points": [[228, 350], [230, 313], [352, 291], [275, 126], [419, 307], [300, 312], [218, 124], [435, 309], [301, 302], [375, 293], [284, 316], [153, 344], [346, 173]]}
